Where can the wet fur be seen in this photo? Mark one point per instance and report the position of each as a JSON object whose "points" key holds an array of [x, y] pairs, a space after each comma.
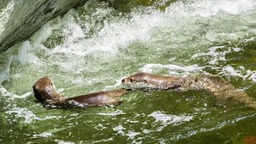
{"points": [[220, 89], [45, 92]]}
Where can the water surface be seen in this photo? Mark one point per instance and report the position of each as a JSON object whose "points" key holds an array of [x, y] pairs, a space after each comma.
{"points": [[92, 48]]}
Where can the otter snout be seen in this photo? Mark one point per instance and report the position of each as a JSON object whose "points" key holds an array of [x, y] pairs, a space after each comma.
{"points": [[127, 80], [44, 90]]}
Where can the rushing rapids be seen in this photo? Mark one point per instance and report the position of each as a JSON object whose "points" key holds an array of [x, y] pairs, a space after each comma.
{"points": [[91, 48]]}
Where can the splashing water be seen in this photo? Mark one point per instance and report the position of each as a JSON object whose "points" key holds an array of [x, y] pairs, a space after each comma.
{"points": [[93, 47]]}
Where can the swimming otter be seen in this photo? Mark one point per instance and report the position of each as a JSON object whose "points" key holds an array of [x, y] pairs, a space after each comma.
{"points": [[152, 81], [45, 92], [220, 89]]}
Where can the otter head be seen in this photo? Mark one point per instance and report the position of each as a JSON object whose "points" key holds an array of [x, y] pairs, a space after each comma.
{"points": [[136, 78], [44, 90]]}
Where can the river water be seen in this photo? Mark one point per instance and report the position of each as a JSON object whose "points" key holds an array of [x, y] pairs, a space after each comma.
{"points": [[92, 48]]}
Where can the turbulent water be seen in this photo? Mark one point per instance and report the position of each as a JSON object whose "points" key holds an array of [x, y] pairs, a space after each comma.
{"points": [[93, 47]]}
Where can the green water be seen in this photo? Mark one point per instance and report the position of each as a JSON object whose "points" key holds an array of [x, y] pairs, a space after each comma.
{"points": [[93, 47]]}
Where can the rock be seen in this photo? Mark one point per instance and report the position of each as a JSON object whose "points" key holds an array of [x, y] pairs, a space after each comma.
{"points": [[29, 16]]}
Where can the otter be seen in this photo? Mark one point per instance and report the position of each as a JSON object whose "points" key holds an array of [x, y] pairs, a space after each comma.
{"points": [[44, 91], [152, 81], [220, 89]]}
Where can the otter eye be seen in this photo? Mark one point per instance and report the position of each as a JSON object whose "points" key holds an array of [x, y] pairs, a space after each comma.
{"points": [[123, 80], [131, 80]]}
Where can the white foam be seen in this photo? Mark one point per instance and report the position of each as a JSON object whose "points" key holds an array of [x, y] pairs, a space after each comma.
{"points": [[28, 115], [45, 31], [100, 127], [110, 38], [253, 77], [132, 134], [115, 33], [173, 69], [119, 129], [215, 56], [206, 8], [239, 72], [44, 135], [115, 113], [249, 39], [6, 93], [103, 140], [64, 142], [25, 54], [51, 117], [167, 119]]}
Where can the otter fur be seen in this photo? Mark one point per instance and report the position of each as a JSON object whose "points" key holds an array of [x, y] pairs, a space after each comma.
{"points": [[219, 88], [45, 92]]}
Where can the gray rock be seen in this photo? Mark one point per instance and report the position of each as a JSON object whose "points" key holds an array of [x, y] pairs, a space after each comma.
{"points": [[29, 15]]}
